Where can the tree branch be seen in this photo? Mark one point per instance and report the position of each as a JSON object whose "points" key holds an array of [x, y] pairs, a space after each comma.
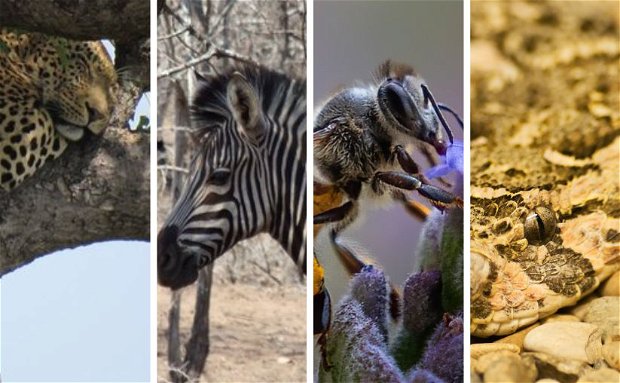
{"points": [[214, 52], [98, 190], [126, 22], [121, 20]]}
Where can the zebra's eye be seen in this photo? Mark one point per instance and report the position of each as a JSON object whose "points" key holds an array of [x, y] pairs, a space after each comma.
{"points": [[540, 225], [219, 177]]}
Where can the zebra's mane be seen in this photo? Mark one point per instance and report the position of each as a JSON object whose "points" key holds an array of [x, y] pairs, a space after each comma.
{"points": [[209, 106]]}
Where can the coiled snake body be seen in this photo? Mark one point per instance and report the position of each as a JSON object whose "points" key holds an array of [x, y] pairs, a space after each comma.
{"points": [[545, 176]]}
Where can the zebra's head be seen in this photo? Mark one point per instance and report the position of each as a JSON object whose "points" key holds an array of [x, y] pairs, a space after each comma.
{"points": [[234, 179]]}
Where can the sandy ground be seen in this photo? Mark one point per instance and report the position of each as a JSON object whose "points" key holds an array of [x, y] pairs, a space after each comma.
{"points": [[258, 334]]}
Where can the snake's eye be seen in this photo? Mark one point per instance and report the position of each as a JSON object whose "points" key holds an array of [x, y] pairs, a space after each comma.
{"points": [[540, 225]]}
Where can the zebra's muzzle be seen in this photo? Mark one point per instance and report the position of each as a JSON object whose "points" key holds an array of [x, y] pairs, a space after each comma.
{"points": [[174, 268]]}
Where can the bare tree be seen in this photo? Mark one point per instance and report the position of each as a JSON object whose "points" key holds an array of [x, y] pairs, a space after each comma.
{"points": [[99, 188]]}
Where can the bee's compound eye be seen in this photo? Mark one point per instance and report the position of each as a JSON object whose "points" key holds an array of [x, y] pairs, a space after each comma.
{"points": [[540, 225]]}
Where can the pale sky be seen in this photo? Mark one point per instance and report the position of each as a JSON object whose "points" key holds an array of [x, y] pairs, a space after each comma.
{"points": [[78, 315]]}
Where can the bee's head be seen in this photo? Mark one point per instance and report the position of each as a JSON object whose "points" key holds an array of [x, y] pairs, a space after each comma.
{"points": [[405, 108]]}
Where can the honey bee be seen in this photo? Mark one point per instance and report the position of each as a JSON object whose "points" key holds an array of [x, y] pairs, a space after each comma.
{"points": [[360, 136]]}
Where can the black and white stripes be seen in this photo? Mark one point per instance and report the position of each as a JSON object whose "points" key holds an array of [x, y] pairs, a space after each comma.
{"points": [[248, 175]]}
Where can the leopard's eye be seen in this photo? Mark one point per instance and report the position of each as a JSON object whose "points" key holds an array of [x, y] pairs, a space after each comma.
{"points": [[540, 225]]}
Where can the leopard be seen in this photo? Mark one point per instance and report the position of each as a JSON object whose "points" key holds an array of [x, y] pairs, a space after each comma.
{"points": [[53, 91]]}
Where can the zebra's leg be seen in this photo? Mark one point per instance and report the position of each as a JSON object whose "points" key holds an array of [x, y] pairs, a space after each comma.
{"points": [[440, 198]]}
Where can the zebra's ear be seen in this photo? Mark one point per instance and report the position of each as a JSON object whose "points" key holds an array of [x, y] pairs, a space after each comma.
{"points": [[199, 77], [245, 105]]}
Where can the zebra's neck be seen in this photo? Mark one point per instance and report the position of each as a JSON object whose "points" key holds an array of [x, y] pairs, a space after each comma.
{"points": [[288, 186]]}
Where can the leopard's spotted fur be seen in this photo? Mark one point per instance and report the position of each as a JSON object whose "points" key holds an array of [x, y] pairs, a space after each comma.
{"points": [[51, 90]]}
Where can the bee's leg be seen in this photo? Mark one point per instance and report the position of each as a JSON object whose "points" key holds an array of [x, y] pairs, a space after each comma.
{"points": [[353, 264], [415, 208], [437, 196], [407, 163], [333, 215], [405, 160], [348, 258]]}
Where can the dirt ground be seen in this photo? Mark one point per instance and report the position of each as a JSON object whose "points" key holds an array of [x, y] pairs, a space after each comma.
{"points": [[258, 334]]}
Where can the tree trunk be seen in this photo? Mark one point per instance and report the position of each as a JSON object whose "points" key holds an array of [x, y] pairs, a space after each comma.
{"points": [[98, 190], [80, 20]]}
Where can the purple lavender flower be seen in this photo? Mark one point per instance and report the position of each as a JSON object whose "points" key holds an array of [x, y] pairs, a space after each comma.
{"points": [[451, 161]]}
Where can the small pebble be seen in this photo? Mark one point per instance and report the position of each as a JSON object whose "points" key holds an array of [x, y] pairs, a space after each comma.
{"points": [[487, 360], [284, 360], [552, 367], [561, 318], [601, 309], [517, 337], [582, 307], [547, 380], [604, 312], [611, 353], [603, 375], [568, 340], [479, 349], [611, 287], [506, 366]]}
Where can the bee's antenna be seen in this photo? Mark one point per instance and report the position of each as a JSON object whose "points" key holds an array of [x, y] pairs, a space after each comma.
{"points": [[453, 113], [429, 96]]}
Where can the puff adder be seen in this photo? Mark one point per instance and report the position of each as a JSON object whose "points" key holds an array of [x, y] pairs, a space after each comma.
{"points": [[545, 194]]}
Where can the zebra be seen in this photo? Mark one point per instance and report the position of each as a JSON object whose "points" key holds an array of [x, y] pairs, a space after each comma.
{"points": [[248, 174]]}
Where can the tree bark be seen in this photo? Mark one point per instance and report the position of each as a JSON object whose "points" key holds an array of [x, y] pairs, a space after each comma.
{"points": [[120, 20], [97, 190]]}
